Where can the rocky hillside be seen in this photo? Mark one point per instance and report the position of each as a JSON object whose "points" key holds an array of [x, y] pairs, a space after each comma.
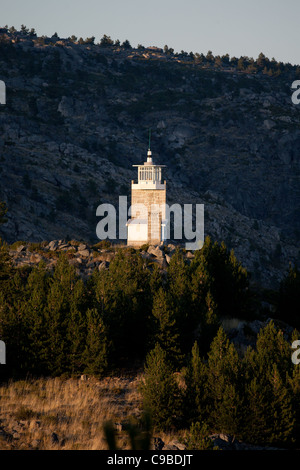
{"points": [[77, 118]]}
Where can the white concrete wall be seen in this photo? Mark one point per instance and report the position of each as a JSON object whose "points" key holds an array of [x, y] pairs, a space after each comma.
{"points": [[137, 232]]}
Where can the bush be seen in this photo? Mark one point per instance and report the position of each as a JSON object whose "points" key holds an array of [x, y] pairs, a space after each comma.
{"points": [[197, 438], [102, 245], [24, 413]]}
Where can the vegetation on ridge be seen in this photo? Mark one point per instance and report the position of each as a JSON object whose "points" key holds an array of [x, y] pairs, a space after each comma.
{"points": [[131, 316]]}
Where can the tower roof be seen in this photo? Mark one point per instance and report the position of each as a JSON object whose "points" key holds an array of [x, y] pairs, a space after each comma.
{"points": [[150, 161]]}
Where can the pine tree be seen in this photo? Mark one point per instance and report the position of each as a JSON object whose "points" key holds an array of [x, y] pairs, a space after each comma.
{"points": [[217, 270], [166, 334], [35, 322], [210, 323], [178, 287], [257, 410], [160, 392], [272, 348], [281, 413], [65, 275], [55, 315], [6, 270], [201, 299], [269, 401], [293, 384], [76, 328], [124, 299], [230, 413], [126, 44], [195, 397], [106, 41], [155, 281], [223, 382], [95, 355]]}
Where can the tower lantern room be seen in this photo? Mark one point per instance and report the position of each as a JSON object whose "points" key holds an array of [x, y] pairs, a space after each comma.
{"points": [[149, 175]]}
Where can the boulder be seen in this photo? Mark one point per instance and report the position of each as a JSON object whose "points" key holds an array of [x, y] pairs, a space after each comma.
{"points": [[84, 253], [82, 247], [156, 251], [75, 261], [36, 258], [53, 245], [171, 248], [21, 248], [224, 442], [177, 445], [64, 246], [168, 258], [69, 248], [103, 265]]}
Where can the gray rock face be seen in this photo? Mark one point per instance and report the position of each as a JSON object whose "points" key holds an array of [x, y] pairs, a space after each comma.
{"points": [[68, 142]]}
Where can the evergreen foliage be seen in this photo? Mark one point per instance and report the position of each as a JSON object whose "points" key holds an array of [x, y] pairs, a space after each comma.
{"points": [[54, 323], [198, 437], [166, 334], [161, 394]]}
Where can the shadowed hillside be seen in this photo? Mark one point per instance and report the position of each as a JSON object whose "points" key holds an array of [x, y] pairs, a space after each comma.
{"points": [[77, 118]]}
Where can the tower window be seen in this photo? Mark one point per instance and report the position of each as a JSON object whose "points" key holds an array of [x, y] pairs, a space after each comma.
{"points": [[149, 174]]}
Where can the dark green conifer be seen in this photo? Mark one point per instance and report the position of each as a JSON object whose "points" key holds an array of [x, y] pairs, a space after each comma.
{"points": [[95, 356], [224, 384], [166, 331], [160, 391], [195, 397]]}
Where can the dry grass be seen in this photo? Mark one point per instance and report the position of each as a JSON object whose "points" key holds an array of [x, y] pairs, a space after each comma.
{"points": [[50, 414]]}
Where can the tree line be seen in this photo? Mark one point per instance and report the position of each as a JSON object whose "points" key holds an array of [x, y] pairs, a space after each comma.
{"points": [[261, 64], [53, 322]]}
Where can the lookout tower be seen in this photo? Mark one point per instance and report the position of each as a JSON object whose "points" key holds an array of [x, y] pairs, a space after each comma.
{"points": [[148, 205]]}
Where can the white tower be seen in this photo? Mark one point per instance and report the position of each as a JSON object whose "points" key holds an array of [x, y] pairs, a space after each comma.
{"points": [[147, 224]]}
